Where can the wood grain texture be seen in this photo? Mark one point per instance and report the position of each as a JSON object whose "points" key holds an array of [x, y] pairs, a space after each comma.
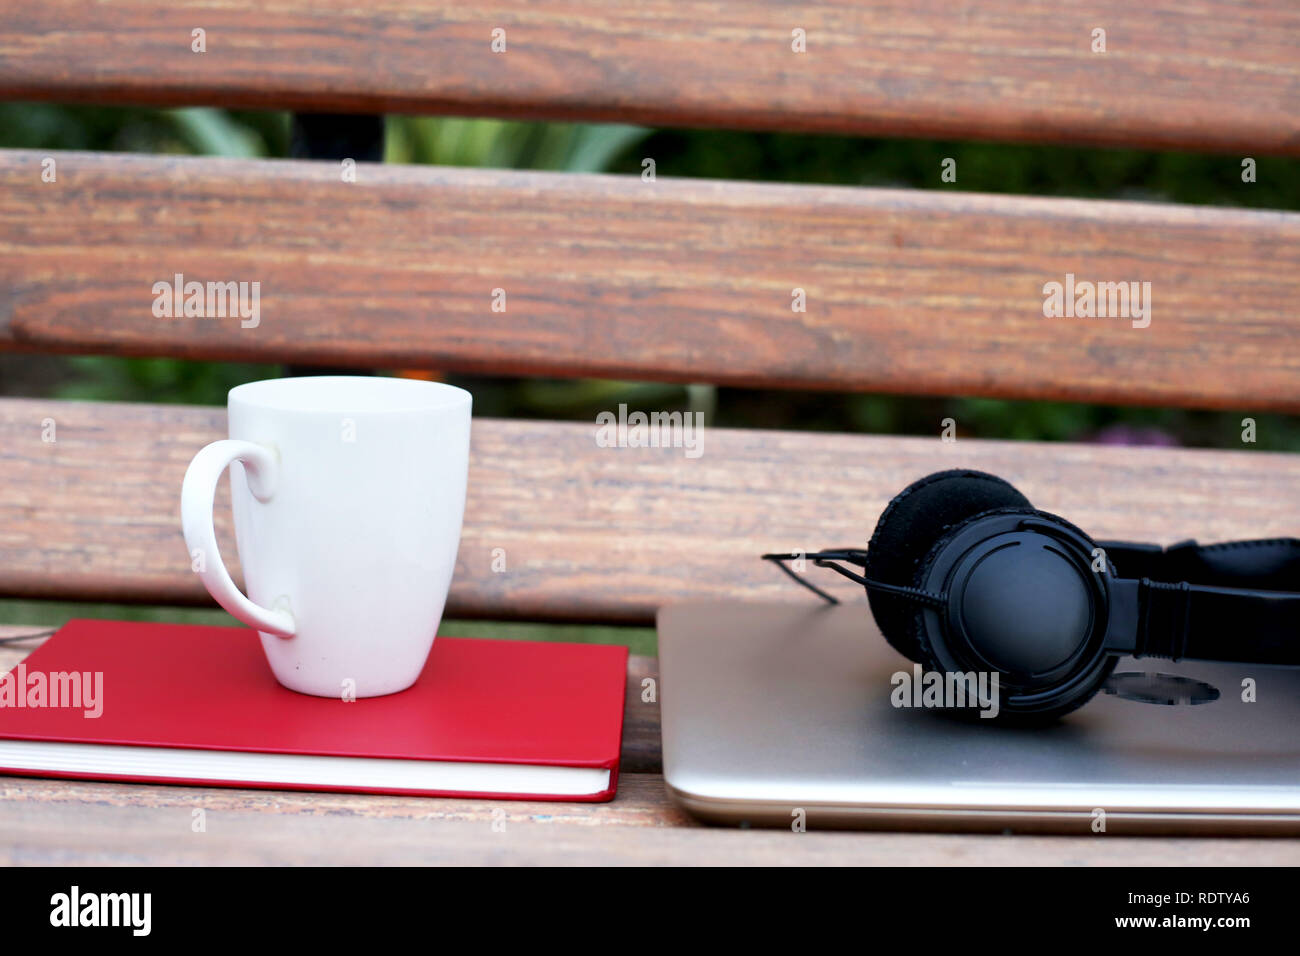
{"points": [[81, 823], [692, 281], [593, 533], [1218, 75], [72, 822]]}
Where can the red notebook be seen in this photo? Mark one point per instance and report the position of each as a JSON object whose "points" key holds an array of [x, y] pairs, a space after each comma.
{"points": [[168, 703]]}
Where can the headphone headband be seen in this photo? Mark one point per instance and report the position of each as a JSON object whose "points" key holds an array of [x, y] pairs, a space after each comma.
{"points": [[1267, 564], [1204, 623], [1234, 601]]}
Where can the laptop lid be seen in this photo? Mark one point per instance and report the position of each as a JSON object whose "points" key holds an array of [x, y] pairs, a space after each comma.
{"points": [[777, 712]]}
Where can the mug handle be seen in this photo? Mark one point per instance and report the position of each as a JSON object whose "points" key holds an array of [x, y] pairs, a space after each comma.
{"points": [[197, 494]]}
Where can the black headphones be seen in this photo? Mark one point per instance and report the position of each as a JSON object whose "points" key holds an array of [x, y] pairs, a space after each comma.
{"points": [[964, 575]]}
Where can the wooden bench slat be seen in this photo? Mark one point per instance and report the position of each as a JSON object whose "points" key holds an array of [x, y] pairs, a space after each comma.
{"points": [[1221, 76], [693, 281], [68, 822], [82, 823], [589, 532]]}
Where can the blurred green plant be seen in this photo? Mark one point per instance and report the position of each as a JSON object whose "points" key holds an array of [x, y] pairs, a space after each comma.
{"points": [[166, 381], [502, 144], [121, 129], [981, 167]]}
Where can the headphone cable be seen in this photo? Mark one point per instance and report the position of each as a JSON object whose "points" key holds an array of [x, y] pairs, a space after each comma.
{"points": [[827, 559]]}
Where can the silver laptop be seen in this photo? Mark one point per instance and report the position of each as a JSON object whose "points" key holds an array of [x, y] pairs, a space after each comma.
{"points": [[781, 715]]}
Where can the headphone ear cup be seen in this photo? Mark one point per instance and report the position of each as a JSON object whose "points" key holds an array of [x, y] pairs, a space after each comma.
{"points": [[920, 635], [909, 530]]}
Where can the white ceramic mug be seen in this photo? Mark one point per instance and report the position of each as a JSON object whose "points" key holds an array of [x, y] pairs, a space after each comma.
{"points": [[348, 495]]}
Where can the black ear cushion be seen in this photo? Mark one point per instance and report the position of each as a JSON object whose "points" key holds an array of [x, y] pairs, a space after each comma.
{"points": [[915, 520]]}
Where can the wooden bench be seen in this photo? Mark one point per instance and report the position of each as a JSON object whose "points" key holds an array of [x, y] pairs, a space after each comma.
{"points": [[688, 281]]}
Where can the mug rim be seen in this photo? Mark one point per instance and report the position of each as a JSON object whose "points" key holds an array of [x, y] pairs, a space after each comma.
{"points": [[351, 394]]}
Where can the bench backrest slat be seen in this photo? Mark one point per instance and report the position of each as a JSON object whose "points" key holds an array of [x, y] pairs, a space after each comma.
{"points": [[589, 532], [902, 292], [1217, 75]]}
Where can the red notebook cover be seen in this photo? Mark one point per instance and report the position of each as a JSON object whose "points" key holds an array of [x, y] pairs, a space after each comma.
{"points": [[484, 714]]}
